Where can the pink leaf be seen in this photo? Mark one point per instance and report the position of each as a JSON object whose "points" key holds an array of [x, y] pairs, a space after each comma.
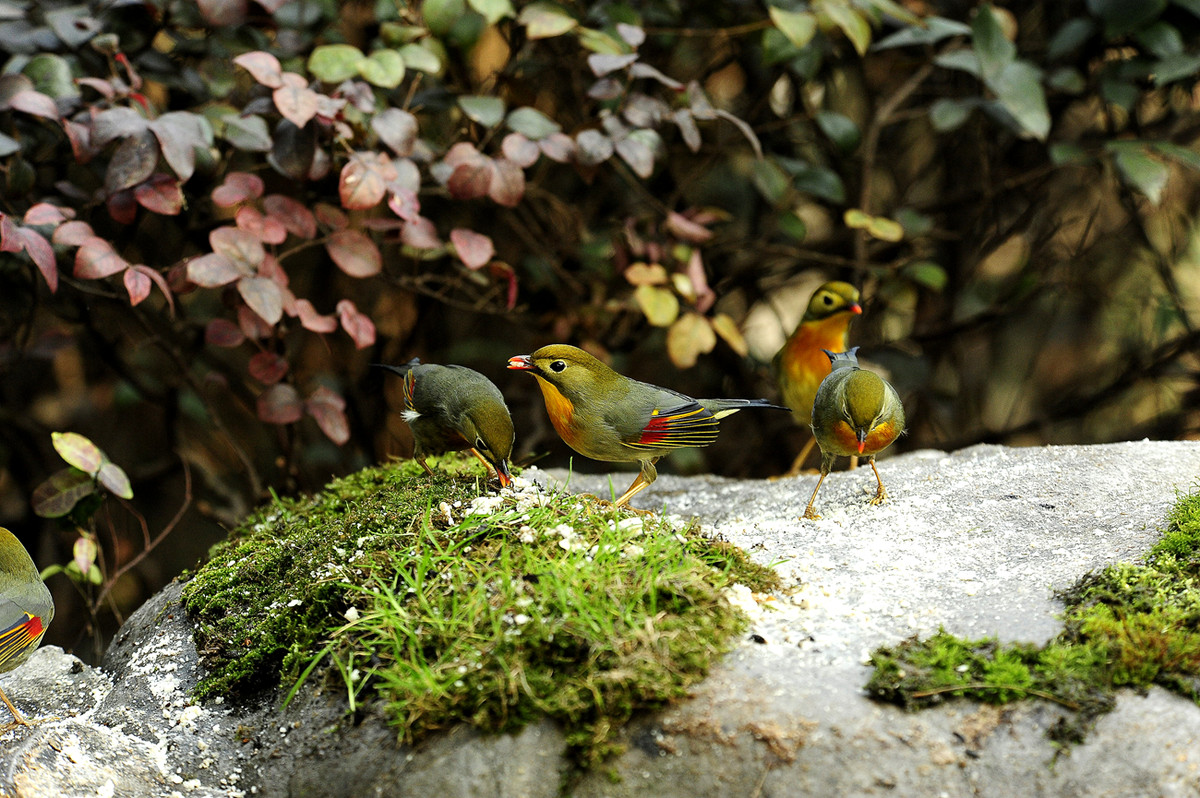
{"points": [[397, 129], [160, 194], [237, 187], [252, 325], [96, 259], [263, 297], [72, 234], [419, 233], [42, 255], [264, 228], [331, 217], [297, 104], [364, 180], [520, 150], [213, 270], [267, 367], [356, 324], [10, 241], [263, 67], [297, 219], [473, 249], [311, 320], [272, 269], [156, 278], [508, 183], [328, 408], [35, 103], [405, 204], [221, 13], [223, 333], [280, 404], [471, 180], [705, 296], [122, 207], [45, 213], [354, 253], [243, 248], [137, 285], [558, 147]]}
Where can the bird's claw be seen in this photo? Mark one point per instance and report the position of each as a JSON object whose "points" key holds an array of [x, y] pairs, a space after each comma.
{"points": [[811, 515], [879, 498]]}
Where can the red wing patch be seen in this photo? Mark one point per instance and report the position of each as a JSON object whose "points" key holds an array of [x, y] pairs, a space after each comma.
{"points": [[20, 636], [676, 427]]}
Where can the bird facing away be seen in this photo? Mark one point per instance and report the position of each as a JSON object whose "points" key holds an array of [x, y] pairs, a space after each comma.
{"points": [[26, 609], [454, 408], [856, 412], [606, 416], [801, 364]]}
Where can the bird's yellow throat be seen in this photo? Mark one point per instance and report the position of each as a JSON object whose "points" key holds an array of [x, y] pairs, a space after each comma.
{"points": [[558, 407]]}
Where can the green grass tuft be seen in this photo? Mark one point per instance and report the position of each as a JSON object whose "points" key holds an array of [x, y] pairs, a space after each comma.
{"points": [[1127, 625], [567, 610]]}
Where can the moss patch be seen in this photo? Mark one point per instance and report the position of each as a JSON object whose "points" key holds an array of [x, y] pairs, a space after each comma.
{"points": [[453, 608], [1128, 625]]}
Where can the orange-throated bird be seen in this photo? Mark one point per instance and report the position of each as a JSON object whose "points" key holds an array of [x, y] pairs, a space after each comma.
{"points": [[26, 609], [606, 416], [454, 408], [801, 364], [856, 412]]}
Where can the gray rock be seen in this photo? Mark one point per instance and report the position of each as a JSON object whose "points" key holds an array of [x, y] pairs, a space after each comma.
{"points": [[975, 541]]}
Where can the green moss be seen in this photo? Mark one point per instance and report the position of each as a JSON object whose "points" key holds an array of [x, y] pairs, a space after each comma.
{"points": [[567, 610], [1127, 625]]}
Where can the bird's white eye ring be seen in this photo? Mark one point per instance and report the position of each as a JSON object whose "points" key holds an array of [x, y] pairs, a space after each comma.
{"points": [[479, 444], [557, 366]]}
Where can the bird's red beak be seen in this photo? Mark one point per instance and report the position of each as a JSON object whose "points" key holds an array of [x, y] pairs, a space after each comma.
{"points": [[862, 440], [503, 474], [856, 309], [521, 363]]}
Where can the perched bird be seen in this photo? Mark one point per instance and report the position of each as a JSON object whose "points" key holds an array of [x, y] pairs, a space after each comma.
{"points": [[26, 609], [453, 408], [801, 364], [856, 412], [606, 416]]}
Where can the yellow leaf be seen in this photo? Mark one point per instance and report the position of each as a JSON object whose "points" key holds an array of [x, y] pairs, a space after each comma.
{"points": [[646, 274], [688, 338], [885, 229], [660, 305], [727, 328]]}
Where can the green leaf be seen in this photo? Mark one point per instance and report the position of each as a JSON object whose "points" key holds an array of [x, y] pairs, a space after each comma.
{"points": [[776, 48], [382, 68], [546, 20], [440, 15], [770, 180], [51, 75], [486, 111], [660, 305], [60, 493], [532, 123], [1067, 80], [333, 63], [926, 273], [1191, 5], [856, 219], [798, 26], [851, 21], [8, 145], [992, 47], [78, 451], [946, 115], [493, 10], [790, 224], [1123, 16], [113, 477], [1119, 92], [1018, 87], [1062, 153], [1161, 39], [1139, 170], [818, 181], [1176, 67], [963, 60], [934, 30], [1069, 38], [893, 9], [1183, 155], [840, 129], [915, 223], [885, 229], [419, 57], [600, 42]]}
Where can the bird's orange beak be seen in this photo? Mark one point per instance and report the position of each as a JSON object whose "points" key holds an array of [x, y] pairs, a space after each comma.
{"points": [[862, 440], [521, 363], [856, 309], [503, 474]]}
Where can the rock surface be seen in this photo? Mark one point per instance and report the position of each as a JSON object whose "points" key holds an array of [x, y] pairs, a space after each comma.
{"points": [[975, 541]]}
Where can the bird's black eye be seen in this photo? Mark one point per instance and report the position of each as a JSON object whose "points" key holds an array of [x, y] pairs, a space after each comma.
{"points": [[557, 366], [479, 444], [827, 299]]}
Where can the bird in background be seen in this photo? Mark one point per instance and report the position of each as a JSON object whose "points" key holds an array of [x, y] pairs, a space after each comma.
{"points": [[856, 412], [606, 416], [26, 609], [454, 408], [801, 364]]}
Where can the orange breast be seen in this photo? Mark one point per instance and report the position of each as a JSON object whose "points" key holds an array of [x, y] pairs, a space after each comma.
{"points": [[879, 438], [804, 365], [561, 412]]}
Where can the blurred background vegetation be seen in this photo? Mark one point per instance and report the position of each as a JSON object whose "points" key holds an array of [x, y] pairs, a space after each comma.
{"points": [[217, 213]]}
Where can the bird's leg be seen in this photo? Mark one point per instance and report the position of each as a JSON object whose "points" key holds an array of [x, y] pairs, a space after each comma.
{"points": [[425, 465], [853, 462], [647, 475], [826, 465], [17, 716], [881, 493]]}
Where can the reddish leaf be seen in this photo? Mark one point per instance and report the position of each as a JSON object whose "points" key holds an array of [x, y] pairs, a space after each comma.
{"points": [[297, 219], [328, 408], [685, 229], [263, 67], [263, 297], [419, 233], [237, 187], [84, 553], [397, 129], [297, 104], [137, 285], [408, 176], [180, 134], [354, 253], [471, 180], [364, 180], [311, 320], [96, 259], [114, 478], [508, 183], [122, 207], [9, 240], [273, 270], [56, 496], [72, 234], [241, 247], [705, 296], [213, 270], [268, 368], [520, 150], [132, 162], [358, 325], [45, 213], [405, 204], [78, 450], [80, 137], [35, 103], [464, 152], [280, 404], [252, 325], [41, 253], [330, 216], [104, 87], [222, 13], [160, 194], [223, 333], [264, 228], [117, 123], [558, 147], [158, 280], [473, 249]]}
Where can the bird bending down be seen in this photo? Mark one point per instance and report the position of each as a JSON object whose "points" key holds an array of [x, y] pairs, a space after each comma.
{"points": [[856, 412], [801, 364], [606, 416], [454, 408], [26, 609]]}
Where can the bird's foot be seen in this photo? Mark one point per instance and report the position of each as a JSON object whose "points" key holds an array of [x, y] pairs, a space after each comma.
{"points": [[880, 497], [811, 515]]}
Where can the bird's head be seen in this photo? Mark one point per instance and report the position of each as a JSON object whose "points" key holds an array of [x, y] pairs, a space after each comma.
{"points": [[568, 368], [831, 299], [863, 400], [489, 429]]}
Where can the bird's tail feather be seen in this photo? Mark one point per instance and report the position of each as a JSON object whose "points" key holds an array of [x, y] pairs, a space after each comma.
{"points": [[725, 407], [401, 370]]}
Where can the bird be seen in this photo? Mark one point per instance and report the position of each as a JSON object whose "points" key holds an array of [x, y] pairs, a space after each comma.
{"points": [[800, 364], [26, 609], [606, 416], [454, 408], [856, 412]]}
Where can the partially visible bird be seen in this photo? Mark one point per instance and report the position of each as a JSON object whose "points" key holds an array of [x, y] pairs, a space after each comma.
{"points": [[606, 416], [801, 364], [454, 408], [856, 412], [26, 609]]}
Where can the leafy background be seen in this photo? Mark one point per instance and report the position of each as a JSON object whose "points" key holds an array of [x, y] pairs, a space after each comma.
{"points": [[217, 214]]}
